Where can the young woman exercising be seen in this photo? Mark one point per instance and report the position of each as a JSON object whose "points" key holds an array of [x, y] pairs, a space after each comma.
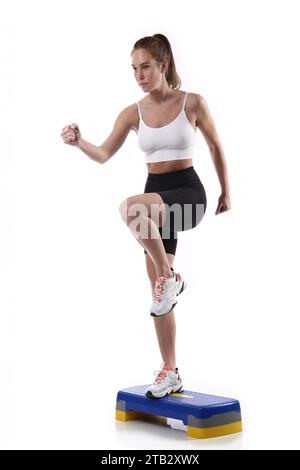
{"points": [[174, 198]]}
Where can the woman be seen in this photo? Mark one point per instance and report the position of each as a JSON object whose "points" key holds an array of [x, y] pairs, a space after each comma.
{"points": [[174, 198]]}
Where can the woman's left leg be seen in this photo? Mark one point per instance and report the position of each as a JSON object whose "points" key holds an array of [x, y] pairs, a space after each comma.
{"points": [[165, 325]]}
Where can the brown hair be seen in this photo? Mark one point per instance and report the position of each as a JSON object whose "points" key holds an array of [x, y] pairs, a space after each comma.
{"points": [[160, 48]]}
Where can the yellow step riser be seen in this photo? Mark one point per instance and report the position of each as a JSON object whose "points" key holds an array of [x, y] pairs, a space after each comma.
{"points": [[198, 433], [215, 431]]}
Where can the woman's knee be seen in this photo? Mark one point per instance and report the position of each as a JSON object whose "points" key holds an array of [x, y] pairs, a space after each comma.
{"points": [[123, 208], [131, 208], [143, 205]]}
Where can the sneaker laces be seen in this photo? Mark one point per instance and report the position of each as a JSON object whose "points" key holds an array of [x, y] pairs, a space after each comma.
{"points": [[159, 288], [162, 373], [161, 376]]}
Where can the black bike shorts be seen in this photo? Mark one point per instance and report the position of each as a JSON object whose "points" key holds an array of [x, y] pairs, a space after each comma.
{"points": [[184, 199]]}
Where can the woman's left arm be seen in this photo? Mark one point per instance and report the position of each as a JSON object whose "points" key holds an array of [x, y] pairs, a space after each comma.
{"points": [[205, 123]]}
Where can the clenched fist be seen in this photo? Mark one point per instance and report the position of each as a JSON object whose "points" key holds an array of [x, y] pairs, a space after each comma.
{"points": [[71, 134]]}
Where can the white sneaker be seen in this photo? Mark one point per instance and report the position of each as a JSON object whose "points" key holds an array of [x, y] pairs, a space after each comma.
{"points": [[167, 381], [165, 294]]}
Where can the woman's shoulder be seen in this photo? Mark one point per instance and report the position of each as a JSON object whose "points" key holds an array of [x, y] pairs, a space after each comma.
{"points": [[132, 110]]}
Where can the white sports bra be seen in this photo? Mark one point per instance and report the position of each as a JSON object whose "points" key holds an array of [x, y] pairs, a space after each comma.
{"points": [[175, 141]]}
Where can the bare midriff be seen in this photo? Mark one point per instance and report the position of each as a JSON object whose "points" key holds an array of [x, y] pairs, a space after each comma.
{"points": [[171, 165]]}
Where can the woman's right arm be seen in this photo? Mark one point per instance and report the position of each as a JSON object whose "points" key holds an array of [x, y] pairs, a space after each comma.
{"points": [[101, 154], [92, 151]]}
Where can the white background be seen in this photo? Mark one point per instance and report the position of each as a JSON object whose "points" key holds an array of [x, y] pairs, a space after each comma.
{"points": [[75, 296]]}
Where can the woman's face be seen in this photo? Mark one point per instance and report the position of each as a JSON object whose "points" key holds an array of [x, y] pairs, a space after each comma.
{"points": [[147, 71]]}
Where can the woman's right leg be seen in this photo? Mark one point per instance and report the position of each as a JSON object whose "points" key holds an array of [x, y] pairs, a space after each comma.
{"points": [[165, 325], [152, 215]]}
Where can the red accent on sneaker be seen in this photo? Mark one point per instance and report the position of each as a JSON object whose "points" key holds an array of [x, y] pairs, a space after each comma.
{"points": [[161, 279], [159, 288], [178, 277], [160, 376]]}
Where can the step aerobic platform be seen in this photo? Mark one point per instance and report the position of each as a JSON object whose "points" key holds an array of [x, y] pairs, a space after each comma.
{"points": [[203, 415]]}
